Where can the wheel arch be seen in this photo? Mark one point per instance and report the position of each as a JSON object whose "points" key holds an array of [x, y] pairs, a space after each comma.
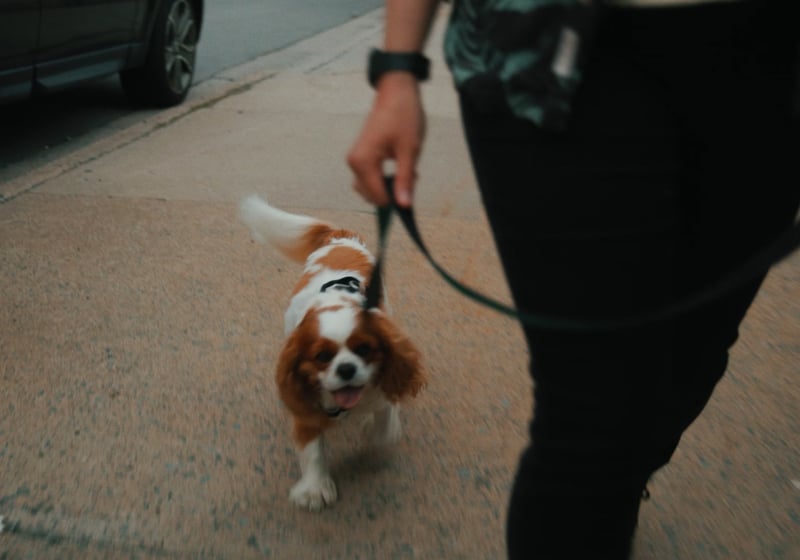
{"points": [[148, 21]]}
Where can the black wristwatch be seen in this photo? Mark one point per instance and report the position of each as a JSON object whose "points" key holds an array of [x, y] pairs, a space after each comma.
{"points": [[381, 62]]}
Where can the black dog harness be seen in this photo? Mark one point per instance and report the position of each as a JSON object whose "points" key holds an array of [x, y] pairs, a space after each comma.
{"points": [[348, 284]]}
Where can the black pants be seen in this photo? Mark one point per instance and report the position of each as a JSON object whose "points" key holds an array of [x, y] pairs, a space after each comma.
{"points": [[679, 162]]}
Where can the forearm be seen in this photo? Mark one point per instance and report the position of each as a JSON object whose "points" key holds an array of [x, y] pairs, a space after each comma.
{"points": [[395, 127], [406, 29], [408, 23]]}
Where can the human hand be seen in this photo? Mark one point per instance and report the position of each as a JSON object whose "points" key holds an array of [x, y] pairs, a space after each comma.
{"points": [[394, 130]]}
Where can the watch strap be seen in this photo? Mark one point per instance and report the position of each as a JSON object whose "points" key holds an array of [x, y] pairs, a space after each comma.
{"points": [[380, 62]]}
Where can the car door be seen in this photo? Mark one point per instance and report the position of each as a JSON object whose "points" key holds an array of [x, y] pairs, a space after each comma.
{"points": [[19, 26], [82, 39]]}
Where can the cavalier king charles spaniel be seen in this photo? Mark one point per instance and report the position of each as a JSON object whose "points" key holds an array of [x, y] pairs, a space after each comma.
{"points": [[339, 359]]}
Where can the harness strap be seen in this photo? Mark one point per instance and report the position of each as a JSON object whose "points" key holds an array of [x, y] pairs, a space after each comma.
{"points": [[349, 284]]}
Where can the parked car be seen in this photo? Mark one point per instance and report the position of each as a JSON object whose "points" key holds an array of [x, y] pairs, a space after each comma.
{"points": [[46, 45]]}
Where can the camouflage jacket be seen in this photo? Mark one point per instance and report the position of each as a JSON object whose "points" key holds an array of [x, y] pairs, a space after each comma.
{"points": [[533, 49]]}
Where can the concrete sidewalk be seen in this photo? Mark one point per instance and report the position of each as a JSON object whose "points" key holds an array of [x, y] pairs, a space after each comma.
{"points": [[140, 326]]}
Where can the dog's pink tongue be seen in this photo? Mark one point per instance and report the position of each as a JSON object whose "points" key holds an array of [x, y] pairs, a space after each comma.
{"points": [[348, 397]]}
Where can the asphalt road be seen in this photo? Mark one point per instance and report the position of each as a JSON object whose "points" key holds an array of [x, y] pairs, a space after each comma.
{"points": [[234, 32]]}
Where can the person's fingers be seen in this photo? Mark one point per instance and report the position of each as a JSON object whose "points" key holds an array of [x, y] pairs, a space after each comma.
{"points": [[372, 183], [367, 174], [405, 176]]}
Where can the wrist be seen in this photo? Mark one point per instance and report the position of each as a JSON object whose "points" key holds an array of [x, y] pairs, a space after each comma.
{"points": [[395, 82]]}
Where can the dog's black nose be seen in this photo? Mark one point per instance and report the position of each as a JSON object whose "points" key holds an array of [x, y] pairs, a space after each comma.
{"points": [[346, 371]]}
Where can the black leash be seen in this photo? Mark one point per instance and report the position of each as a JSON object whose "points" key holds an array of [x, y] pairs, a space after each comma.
{"points": [[776, 251], [374, 290]]}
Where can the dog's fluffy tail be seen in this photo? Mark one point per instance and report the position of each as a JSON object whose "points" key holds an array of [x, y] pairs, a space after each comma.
{"points": [[294, 235]]}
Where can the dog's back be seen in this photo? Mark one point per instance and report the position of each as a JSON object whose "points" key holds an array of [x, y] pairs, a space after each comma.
{"points": [[295, 235], [333, 257]]}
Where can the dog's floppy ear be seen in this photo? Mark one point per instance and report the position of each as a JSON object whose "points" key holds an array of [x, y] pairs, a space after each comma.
{"points": [[401, 373], [295, 379]]}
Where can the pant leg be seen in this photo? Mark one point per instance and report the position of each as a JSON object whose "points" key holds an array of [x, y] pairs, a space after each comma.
{"points": [[626, 211], [735, 98], [578, 234]]}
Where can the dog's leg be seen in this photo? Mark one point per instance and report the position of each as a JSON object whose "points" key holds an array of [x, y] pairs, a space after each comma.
{"points": [[316, 488], [386, 428]]}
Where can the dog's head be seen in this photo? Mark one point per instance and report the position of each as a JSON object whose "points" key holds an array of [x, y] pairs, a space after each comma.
{"points": [[340, 352]]}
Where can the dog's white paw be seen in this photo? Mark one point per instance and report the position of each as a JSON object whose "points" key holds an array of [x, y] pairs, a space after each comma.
{"points": [[314, 493]]}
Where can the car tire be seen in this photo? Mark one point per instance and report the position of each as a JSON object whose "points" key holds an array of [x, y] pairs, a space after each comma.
{"points": [[166, 76]]}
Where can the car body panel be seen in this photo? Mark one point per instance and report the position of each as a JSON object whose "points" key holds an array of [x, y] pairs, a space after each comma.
{"points": [[49, 44], [59, 73], [19, 27], [82, 39], [71, 27]]}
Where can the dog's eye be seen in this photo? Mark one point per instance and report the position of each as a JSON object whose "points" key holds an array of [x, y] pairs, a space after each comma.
{"points": [[324, 356], [363, 350]]}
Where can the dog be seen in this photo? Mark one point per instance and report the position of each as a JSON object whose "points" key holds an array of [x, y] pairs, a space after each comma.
{"points": [[339, 359]]}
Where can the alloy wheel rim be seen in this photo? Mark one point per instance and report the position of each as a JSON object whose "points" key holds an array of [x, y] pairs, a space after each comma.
{"points": [[181, 43]]}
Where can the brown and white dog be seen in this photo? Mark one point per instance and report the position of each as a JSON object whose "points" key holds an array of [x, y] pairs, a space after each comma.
{"points": [[339, 360]]}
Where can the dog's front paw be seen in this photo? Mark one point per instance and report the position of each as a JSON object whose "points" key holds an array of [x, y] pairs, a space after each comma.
{"points": [[313, 493]]}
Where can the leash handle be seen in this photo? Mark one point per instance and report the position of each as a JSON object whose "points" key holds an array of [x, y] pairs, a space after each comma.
{"points": [[758, 264]]}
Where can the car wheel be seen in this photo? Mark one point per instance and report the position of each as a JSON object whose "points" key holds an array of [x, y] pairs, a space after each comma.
{"points": [[167, 74]]}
